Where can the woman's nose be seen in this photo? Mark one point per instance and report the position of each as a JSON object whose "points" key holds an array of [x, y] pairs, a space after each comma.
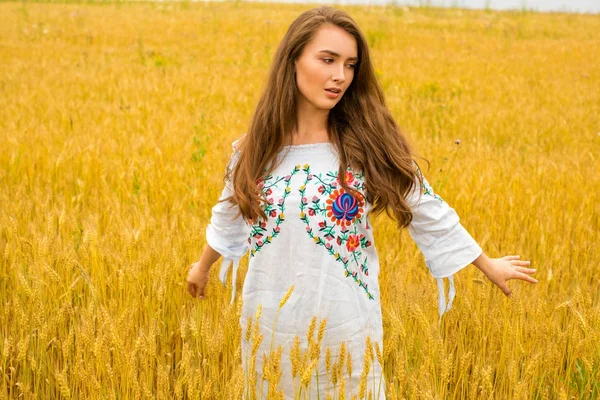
{"points": [[339, 77]]}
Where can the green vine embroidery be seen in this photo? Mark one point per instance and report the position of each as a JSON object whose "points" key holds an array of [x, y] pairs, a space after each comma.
{"points": [[351, 214], [428, 190], [259, 230]]}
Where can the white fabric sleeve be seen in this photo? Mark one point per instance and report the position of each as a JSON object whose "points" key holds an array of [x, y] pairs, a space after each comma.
{"points": [[444, 242], [225, 233]]}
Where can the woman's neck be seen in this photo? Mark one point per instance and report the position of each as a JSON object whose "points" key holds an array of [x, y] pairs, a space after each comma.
{"points": [[306, 138]]}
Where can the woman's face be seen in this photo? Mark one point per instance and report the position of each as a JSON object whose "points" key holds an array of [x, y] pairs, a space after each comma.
{"points": [[327, 61]]}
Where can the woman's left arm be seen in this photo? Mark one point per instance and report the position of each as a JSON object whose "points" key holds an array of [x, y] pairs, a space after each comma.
{"points": [[448, 247]]}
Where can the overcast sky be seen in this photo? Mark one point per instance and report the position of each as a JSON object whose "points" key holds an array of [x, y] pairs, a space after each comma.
{"points": [[580, 6], [540, 5]]}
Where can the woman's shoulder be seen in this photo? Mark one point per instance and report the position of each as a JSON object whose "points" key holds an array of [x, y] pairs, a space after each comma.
{"points": [[236, 144]]}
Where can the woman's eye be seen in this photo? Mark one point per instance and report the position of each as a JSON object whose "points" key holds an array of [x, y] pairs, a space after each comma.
{"points": [[352, 66]]}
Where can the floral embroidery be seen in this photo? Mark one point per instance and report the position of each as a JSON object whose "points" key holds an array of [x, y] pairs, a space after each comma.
{"points": [[332, 217], [428, 190], [341, 211], [343, 208], [352, 243], [259, 230]]}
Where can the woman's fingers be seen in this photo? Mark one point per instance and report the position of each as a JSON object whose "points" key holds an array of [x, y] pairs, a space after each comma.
{"points": [[505, 289], [525, 270], [515, 261], [522, 276], [520, 263], [191, 289]]}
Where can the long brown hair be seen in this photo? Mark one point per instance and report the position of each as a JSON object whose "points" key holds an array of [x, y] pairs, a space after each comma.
{"points": [[360, 126]]}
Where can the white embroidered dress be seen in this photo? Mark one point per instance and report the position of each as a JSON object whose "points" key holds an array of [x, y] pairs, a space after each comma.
{"points": [[319, 239]]}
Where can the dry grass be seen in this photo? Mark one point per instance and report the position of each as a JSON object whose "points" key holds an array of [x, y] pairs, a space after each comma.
{"points": [[116, 122]]}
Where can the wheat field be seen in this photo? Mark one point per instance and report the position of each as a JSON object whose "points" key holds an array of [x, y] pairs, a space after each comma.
{"points": [[116, 122]]}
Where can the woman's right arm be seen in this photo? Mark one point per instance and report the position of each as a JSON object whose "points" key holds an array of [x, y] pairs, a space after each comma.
{"points": [[226, 235], [209, 256]]}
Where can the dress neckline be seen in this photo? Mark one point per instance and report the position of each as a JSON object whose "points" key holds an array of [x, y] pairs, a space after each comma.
{"points": [[305, 145], [308, 148]]}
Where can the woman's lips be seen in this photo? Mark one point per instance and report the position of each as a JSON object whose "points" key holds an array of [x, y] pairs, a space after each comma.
{"points": [[331, 95]]}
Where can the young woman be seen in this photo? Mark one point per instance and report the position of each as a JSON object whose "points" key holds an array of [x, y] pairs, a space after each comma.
{"points": [[321, 154]]}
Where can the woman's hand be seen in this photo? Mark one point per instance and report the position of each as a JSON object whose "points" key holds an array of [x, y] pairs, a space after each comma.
{"points": [[501, 270], [197, 279]]}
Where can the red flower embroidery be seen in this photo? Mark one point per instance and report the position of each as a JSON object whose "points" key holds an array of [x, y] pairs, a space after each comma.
{"points": [[353, 242], [349, 177]]}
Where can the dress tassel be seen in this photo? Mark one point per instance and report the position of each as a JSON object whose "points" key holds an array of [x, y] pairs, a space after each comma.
{"points": [[442, 306], [223, 274]]}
